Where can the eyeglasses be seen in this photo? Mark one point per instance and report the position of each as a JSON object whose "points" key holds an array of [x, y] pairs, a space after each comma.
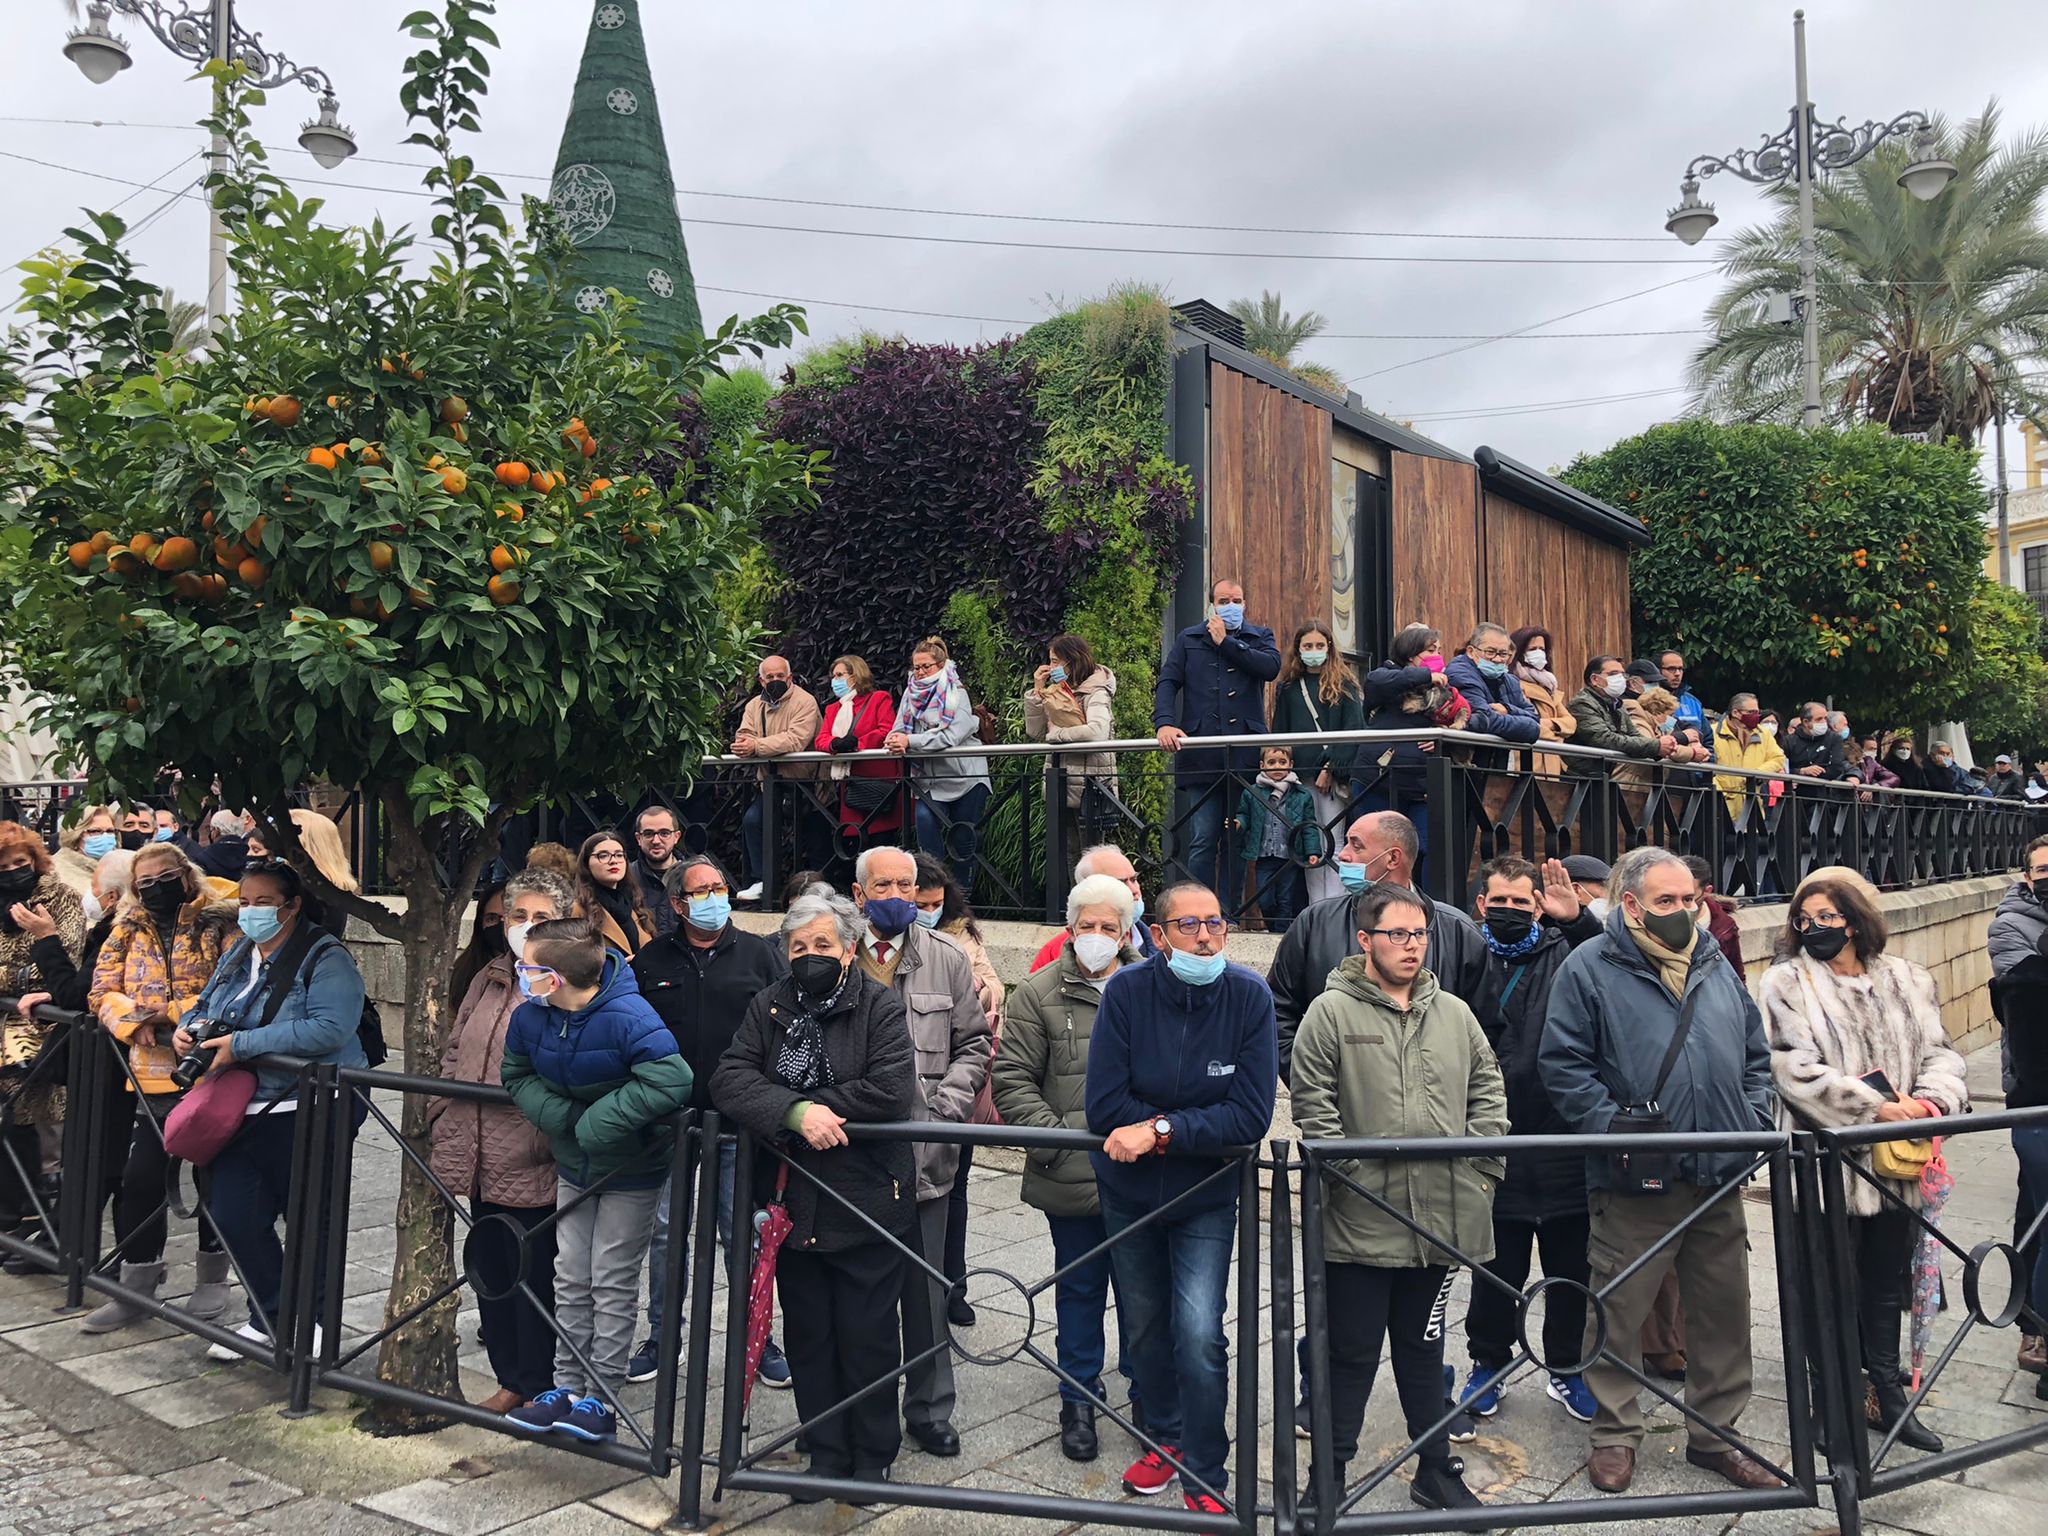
{"points": [[703, 891], [609, 856], [156, 880], [924, 668], [1804, 924], [1401, 938], [657, 834], [1494, 652], [1188, 927]]}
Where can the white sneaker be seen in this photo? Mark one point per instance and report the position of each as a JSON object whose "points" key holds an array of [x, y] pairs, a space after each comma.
{"points": [[751, 893], [254, 1335]]}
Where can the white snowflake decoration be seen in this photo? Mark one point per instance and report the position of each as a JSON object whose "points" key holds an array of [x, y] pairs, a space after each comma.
{"points": [[590, 299], [623, 102], [610, 17], [584, 197], [661, 283]]}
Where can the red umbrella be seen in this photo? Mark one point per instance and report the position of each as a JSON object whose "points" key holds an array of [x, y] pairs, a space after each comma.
{"points": [[771, 1227]]}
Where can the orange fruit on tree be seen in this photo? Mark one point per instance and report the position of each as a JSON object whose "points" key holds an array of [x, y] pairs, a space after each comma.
{"points": [[504, 557], [437, 461], [454, 481], [370, 455], [359, 606], [227, 553], [503, 590], [512, 511], [188, 586], [597, 487], [382, 556], [284, 411], [176, 553], [212, 588], [575, 432], [253, 572], [321, 458], [419, 597], [454, 409], [388, 366], [101, 542], [255, 534], [590, 447], [257, 406], [80, 554], [125, 564], [513, 473], [459, 432], [545, 481], [142, 544]]}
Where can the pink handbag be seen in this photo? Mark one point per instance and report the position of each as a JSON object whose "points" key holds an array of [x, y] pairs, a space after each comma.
{"points": [[204, 1120]]}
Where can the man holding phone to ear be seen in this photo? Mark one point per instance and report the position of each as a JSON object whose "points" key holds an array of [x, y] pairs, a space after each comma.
{"points": [[1213, 683]]}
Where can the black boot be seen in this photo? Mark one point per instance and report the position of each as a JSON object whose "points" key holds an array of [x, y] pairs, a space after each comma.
{"points": [[1891, 1409], [1441, 1485], [1077, 1431], [1305, 1505]]}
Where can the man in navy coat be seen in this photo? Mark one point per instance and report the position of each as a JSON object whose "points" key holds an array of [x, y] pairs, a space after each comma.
{"points": [[1213, 683]]}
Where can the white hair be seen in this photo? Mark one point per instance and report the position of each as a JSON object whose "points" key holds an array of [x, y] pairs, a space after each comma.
{"points": [[860, 865], [1632, 869], [1085, 865], [1101, 891], [229, 824], [809, 907], [115, 873]]}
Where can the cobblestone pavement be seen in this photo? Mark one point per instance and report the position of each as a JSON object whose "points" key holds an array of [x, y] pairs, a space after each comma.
{"points": [[136, 1432]]}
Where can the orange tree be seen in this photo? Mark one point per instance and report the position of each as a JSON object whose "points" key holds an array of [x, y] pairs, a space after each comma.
{"points": [[410, 524]]}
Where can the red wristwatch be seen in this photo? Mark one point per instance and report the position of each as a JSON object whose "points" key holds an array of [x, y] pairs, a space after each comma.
{"points": [[1162, 1128]]}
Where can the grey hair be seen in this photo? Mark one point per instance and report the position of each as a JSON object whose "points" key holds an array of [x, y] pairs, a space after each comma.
{"points": [[229, 824], [672, 882], [1633, 868], [1484, 628], [542, 882], [1084, 866], [860, 865], [1101, 891], [116, 871], [809, 907]]}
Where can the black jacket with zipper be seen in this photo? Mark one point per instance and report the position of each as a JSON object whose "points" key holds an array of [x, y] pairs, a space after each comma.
{"points": [[1539, 1185], [702, 994]]}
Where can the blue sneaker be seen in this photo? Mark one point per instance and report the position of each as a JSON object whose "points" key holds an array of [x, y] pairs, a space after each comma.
{"points": [[590, 1419], [1576, 1396], [774, 1371], [544, 1413], [1485, 1403]]}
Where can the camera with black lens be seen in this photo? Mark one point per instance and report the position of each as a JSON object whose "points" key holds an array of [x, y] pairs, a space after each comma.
{"points": [[196, 1060]]}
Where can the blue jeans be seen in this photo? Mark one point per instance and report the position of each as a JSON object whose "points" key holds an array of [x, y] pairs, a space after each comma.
{"points": [[2030, 1145], [1172, 1279], [946, 830], [1198, 810], [657, 1246], [1078, 1302]]}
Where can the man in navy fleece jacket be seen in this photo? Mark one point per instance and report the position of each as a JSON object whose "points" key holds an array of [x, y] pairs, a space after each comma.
{"points": [[1183, 1056]]}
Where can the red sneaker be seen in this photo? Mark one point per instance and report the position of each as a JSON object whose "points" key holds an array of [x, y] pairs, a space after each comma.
{"points": [[1151, 1473], [1204, 1504]]}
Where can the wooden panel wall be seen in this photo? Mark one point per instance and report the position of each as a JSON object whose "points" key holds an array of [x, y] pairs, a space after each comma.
{"points": [[1438, 554], [1539, 571], [1268, 494]]}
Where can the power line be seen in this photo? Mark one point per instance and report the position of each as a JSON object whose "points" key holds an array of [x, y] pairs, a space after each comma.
{"points": [[1531, 407]]}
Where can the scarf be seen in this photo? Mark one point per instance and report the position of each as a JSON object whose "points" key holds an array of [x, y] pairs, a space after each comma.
{"points": [[1529, 674], [1672, 964], [1513, 951], [921, 695], [620, 906], [801, 1062]]}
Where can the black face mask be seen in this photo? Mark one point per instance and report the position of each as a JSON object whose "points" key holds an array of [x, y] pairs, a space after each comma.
{"points": [[134, 840], [2039, 888], [1674, 930], [163, 899], [490, 938], [774, 690], [1508, 925], [16, 884], [815, 976], [1824, 943]]}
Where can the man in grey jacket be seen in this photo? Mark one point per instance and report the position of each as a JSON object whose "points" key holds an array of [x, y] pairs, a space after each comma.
{"points": [[2019, 933], [1614, 1011], [950, 1035]]}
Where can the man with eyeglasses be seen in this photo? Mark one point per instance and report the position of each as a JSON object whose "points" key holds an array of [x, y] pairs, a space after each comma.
{"points": [[1104, 859], [701, 976], [1690, 712], [1651, 1019], [780, 719], [1499, 707], [1384, 1052], [655, 830], [1181, 1060], [950, 1034]]}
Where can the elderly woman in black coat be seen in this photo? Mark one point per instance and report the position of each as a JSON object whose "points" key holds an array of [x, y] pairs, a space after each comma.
{"points": [[824, 1046]]}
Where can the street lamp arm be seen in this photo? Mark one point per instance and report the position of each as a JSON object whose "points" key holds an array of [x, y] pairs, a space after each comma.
{"points": [[1772, 161], [1837, 146], [188, 32]]}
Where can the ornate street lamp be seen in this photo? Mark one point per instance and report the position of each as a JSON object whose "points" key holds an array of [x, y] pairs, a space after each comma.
{"points": [[1805, 147]]}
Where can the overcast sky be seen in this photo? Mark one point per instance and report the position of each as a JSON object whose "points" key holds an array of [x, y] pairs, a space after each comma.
{"points": [[1438, 117]]}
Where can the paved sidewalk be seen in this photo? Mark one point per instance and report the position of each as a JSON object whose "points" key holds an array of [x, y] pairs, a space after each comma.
{"points": [[136, 1432]]}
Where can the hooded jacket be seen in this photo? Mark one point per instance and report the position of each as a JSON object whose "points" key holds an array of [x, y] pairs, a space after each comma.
{"points": [[1323, 934], [599, 1082], [1202, 1057], [487, 1151], [1606, 1030], [135, 976], [1365, 1066], [1208, 689], [1095, 700]]}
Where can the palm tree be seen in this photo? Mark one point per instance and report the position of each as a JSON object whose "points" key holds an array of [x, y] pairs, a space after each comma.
{"points": [[1930, 313], [1270, 330], [187, 321]]}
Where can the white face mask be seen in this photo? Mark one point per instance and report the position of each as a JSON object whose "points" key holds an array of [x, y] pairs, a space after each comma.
{"points": [[1536, 658], [1599, 906], [1094, 951], [1769, 727], [515, 938], [1615, 686], [93, 910]]}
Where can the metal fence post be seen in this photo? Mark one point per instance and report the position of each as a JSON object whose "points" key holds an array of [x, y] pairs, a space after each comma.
{"points": [[738, 1265], [1324, 1489], [696, 1382], [1280, 1223], [770, 872], [1841, 1422], [1247, 1446], [668, 1328], [303, 1224], [78, 1195], [1442, 809], [1057, 854]]}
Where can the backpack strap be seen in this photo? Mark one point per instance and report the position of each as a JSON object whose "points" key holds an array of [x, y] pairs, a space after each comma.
{"points": [[282, 974]]}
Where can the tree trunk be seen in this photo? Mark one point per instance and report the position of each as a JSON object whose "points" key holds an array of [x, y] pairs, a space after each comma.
{"points": [[420, 1355]]}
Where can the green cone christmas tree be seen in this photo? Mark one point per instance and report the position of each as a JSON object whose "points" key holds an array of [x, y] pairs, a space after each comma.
{"points": [[613, 189]]}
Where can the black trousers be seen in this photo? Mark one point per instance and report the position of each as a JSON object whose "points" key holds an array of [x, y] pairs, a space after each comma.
{"points": [[142, 1201], [838, 1330], [1490, 1331], [517, 1336], [1881, 1280], [2023, 1212], [21, 1152], [956, 1221], [1370, 1306]]}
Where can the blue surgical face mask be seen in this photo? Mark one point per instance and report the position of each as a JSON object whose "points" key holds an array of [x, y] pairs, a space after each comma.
{"points": [[1354, 877], [1056, 674], [260, 924], [1493, 670], [707, 914], [1232, 614], [1137, 906], [526, 977], [1313, 658], [98, 845], [1195, 970], [929, 919], [165, 834], [841, 687], [889, 915]]}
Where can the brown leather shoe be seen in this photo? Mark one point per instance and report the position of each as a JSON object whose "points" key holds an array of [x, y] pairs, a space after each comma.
{"points": [[1612, 1467], [1669, 1367], [2034, 1354], [1736, 1467]]}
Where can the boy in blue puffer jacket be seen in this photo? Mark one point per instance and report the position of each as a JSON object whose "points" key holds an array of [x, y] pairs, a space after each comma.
{"points": [[589, 1062]]}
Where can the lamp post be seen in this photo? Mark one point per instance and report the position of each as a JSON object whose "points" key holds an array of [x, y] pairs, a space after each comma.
{"points": [[202, 32], [1806, 146]]}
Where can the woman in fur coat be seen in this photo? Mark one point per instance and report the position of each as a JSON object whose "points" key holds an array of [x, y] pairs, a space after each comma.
{"points": [[1856, 1037]]}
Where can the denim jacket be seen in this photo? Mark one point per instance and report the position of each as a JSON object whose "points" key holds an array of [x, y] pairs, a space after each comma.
{"points": [[316, 1021]]}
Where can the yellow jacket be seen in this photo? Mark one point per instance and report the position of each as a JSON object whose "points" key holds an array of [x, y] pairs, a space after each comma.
{"points": [[1736, 748]]}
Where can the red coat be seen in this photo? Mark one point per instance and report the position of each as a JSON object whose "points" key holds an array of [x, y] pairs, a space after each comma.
{"points": [[874, 716]]}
